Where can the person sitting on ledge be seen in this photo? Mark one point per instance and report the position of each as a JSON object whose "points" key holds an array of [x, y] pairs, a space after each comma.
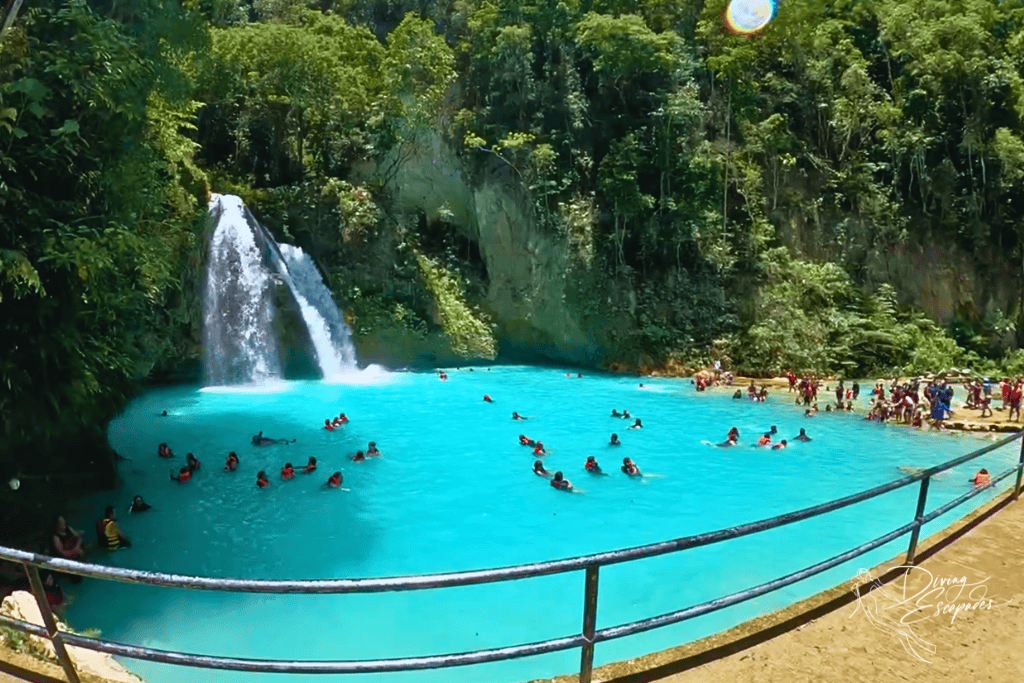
{"points": [[67, 541]]}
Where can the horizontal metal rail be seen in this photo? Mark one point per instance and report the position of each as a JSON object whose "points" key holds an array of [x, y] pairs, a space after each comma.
{"points": [[592, 563]]}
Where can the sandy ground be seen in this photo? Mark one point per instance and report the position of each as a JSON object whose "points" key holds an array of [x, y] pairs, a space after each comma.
{"points": [[836, 638]]}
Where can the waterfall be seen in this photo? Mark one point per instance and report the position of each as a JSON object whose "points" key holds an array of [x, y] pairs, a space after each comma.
{"points": [[245, 266], [327, 328]]}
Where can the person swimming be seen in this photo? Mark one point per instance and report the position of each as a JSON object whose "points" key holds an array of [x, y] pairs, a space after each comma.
{"points": [[310, 466], [525, 441], [560, 482], [488, 399], [773, 431], [232, 462], [809, 413], [615, 440], [163, 451], [328, 426], [626, 415], [343, 419], [803, 435], [538, 448], [734, 433], [261, 479], [287, 472], [779, 446], [371, 450], [731, 441], [765, 440], [139, 505], [183, 475], [335, 480], [982, 478], [615, 413], [636, 425], [260, 440], [191, 462], [592, 466], [629, 467], [517, 416], [358, 457], [538, 469], [163, 414]]}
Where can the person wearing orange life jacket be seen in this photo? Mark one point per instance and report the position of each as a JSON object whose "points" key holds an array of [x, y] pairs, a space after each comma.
{"points": [[310, 466], [232, 462], [182, 476], [982, 478], [163, 451], [335, 480], [592, 466], [371, 450], [191, 462], [287, 472], [343, 419], [561, 483], [525, 441], [538, 448], [358, 457], [261, 479], [488, 399], [765, 440], [779, 446], [328, 426]]}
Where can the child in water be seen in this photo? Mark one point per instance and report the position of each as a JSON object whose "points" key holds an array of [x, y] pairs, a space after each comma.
{"points": [[371, 450], [287, 472], [538, 449], [139, 505], [615, 440], [358, 457], [538, 469], [163, 451], [517, 416], [310, 466], [335, 480], [191, 462], [231, 463], [629, 467], [182, 476], [637, 424], [261, 479], [592, 466], [779, 446]]}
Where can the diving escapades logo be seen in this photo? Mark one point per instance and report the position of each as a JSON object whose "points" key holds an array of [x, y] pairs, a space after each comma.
{"points": [[918, 596]]}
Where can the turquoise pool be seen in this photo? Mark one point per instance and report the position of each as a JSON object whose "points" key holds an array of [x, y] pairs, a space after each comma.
{"points": [[454, 490]]}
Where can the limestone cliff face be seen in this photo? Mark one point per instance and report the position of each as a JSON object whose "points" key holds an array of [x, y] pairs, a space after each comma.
{"points": [[526, 294]]}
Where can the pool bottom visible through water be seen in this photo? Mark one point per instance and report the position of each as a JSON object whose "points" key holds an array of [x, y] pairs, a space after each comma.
{"points": [[454, 491]]}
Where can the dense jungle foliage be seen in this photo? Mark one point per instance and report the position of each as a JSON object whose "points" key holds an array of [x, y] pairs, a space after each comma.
{"points": [[740, 189]]}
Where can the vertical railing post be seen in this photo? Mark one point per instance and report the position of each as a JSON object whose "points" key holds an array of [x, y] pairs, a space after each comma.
{"points": [[1020, 471], [589, 623], [916, 533], [50, 623]]}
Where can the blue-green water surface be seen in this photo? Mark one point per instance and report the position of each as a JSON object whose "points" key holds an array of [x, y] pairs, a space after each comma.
{"points": [[454, 491]]}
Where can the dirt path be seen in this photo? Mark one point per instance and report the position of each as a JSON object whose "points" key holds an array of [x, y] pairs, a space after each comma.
{"points": [[836, 642]]}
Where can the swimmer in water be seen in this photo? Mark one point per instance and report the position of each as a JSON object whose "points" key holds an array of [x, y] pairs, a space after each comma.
{"points": [[538, 448], [191, 462], [371, 450], [765, 440], [343, 419], [731, 441], [734, 433], [615, 440], [335, 480], [803, 435], [310, 466], [779, 446], [808, 413], [163, 451], [538, 469], [182, 476], [328, 426], [163, 414], [139, 505], [231, 463], [592, 466], [773, 431], [561, 483], [525, 441], [517, 416], [287, 472], [626, 415], [616, 413], [636, 425], [261, 479], [488, 399], [737, 395], [358, 457], [629, 467], [982, 478]]}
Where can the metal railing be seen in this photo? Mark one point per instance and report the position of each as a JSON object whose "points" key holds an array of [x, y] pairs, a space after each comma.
{"points": [[585, 640]]}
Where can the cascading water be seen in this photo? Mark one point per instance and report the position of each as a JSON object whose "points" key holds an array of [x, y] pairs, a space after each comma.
{"points": [[245, 265], [238, 304], [327, 328]]}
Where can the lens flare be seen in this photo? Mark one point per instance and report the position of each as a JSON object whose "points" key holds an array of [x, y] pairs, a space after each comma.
{"points": [[749, 16]]}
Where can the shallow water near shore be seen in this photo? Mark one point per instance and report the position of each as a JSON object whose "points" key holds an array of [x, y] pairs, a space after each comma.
{"points": [[454, 491]]}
